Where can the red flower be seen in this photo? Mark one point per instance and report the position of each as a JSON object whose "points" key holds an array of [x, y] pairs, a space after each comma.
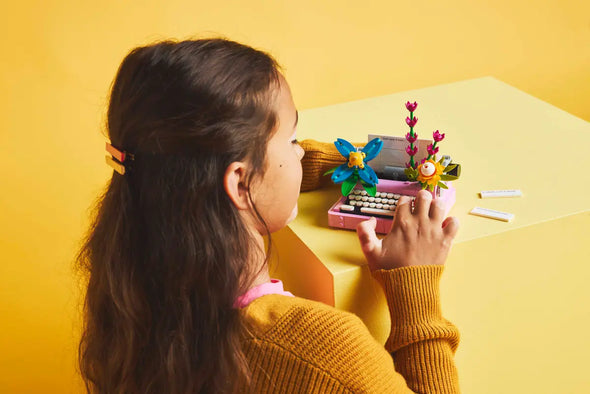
{"points": [[411, 151], [411, 107], [410, 138], [431, 150], [438, 137], [411, 122]]}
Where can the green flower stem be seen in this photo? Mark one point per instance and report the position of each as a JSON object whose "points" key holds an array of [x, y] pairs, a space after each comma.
{"points": [[411, 143]]}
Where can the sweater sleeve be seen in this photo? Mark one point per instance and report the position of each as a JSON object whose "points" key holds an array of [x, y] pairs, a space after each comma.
{"points": [[298, 345], [422, 342]]}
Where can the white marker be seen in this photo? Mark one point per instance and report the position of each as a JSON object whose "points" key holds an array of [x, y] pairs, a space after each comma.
{"points": [[500, 193], [490, 213]]}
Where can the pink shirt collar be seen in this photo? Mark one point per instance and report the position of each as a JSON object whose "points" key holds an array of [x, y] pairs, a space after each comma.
{"points": [[275, 286]]}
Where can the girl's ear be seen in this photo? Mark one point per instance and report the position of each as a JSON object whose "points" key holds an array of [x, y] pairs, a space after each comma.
{"points": [[234, 183]]}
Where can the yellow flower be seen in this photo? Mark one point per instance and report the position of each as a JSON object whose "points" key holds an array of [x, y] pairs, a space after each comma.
{"points": [[356, 159], [429, 172]]}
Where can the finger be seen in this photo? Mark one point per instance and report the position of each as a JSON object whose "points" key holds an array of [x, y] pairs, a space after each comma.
{"points": [[437, 210], [422, 203], [450, 227], [370, 244], [403, 206]]}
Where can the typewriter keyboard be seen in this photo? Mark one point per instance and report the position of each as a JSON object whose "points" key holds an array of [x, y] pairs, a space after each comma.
{"points": [[382, 205]]}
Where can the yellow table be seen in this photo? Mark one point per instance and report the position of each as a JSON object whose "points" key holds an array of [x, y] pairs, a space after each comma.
{"points": [[519, 292]]}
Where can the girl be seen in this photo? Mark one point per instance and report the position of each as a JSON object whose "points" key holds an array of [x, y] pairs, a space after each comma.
{"points": [[179, 299]]}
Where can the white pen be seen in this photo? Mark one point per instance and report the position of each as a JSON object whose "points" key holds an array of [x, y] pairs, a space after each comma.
{"points": [[500, 193], [490, 213]]}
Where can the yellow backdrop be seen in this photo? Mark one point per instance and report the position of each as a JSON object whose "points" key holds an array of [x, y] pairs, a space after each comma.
{"points": [[58, 59]]}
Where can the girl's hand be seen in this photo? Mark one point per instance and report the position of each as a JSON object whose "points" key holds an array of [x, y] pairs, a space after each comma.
{"points": [[420, 237]]}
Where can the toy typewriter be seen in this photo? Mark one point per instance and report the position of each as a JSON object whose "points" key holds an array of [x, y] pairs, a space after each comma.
{"points": [[375, 189]]}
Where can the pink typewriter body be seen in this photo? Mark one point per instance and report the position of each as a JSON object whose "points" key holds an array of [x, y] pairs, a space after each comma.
{"points": [[349, 220]]}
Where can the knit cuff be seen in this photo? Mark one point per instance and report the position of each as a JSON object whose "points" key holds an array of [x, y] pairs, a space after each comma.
{"points": [[319, 157], [412, 294]]}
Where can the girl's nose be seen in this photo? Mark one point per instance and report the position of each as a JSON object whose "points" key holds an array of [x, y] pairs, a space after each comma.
{"points": [[301, 152]]}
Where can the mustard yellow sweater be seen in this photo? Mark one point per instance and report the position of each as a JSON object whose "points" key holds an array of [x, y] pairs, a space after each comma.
{"points": [[294, 345]]}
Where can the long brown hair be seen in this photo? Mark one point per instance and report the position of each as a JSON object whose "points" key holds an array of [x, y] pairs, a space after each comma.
{"points": [[166, 254]]}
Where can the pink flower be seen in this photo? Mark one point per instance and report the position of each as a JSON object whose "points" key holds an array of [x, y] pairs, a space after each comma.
{"points": [[411, 122], [431, 150], [411, 107], [410, 138], [423, 161], [411, 151], [438, 137]]}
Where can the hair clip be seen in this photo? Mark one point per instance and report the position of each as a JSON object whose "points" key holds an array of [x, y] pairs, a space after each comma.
{"points": [[120, 156]]}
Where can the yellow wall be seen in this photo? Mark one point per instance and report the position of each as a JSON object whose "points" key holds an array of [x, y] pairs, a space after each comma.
{"points": [[58, 59]]}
